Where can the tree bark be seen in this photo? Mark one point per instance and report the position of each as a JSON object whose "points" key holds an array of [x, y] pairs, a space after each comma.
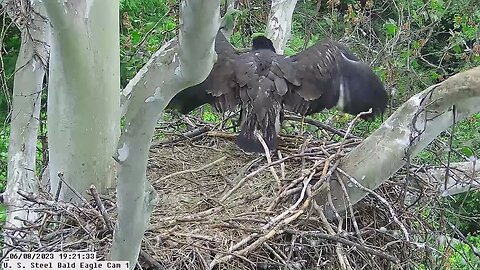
{"points": [[462, 177], [30, 72], [83, 98], [279, 25], [170, 70], [405, 133]]}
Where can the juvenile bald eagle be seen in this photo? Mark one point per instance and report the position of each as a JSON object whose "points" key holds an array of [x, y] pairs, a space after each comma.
{"points": [[264, 83]]}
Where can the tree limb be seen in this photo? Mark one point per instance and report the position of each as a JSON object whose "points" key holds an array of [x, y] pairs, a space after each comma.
{"points": [[405, 133]]}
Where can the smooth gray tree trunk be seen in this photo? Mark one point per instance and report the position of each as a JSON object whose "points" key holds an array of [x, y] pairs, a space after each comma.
{"points": [[30, 71], [170, 70], [83, 94]]}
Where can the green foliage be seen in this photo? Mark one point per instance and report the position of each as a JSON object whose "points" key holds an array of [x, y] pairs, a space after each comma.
{"points": [[464, 257], [208, 115], [390, 28], [10, 48], [3, 214], [467, 212], [145, 26]]}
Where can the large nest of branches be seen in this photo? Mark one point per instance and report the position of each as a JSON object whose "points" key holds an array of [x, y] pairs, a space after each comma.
{"points": [[221, 208]]}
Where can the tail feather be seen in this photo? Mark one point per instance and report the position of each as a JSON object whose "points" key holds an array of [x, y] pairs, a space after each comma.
{"points": [[247, 140]]}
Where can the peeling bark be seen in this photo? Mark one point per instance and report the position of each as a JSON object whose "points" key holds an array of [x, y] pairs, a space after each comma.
{"points": [[83, 99], [405, 133], [170, 70], [279, 25], [27, 89]]}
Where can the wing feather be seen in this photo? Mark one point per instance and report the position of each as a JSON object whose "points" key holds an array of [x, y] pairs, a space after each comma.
{"points": [[220, 88], [326, 75]]}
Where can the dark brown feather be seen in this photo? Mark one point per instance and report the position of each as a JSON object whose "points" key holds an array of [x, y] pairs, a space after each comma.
{"points": [[264, 83]]}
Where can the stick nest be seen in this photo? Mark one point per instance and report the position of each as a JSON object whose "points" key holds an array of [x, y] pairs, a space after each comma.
{"points": [[221, 208]]}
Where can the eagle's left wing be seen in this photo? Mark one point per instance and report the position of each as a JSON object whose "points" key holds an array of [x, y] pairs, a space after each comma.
{"points": [[327, 75]]}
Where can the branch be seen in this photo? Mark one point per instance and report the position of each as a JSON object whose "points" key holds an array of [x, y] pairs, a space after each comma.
{"points": [[405, 133], [170, 70], [280, 23], [463, 177]]}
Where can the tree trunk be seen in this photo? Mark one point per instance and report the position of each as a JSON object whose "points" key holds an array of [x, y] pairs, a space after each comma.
{"points": [[27, 89], [170, 70], [280, 23], [83, 98], [405, 133]]}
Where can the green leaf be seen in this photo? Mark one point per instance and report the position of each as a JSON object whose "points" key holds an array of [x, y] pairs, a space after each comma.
{"points": [[135, 37], [467, 151], [390, 27]]}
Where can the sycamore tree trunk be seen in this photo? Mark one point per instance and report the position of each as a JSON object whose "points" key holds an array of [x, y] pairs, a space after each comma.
{"points": [[171, 69], [83, 94], [280, 23], [405, 133], [30, 72]]}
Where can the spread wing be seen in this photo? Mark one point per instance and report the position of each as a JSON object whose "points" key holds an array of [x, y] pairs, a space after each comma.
{"points": [[218, 89], [327, 75]]}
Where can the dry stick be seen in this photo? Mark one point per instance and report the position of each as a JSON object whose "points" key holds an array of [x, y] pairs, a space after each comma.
{"points": [[275, 253], [101, 208], [320, 125], [33, 198], [349, 130], [336, 238], [246, 250], [222, 135], [275, 220], [267, 155], [282, 165], [274, 231], [57, 194], [192, 170], [381, 199], [183, 136], [250, 175], [60, 176], [350, 207], [338, 247]]}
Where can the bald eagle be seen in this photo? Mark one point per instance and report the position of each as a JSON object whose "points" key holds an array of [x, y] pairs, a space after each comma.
{"points": [[264, 84]]}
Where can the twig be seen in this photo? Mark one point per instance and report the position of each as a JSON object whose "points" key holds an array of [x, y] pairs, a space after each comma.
{"points": [[187, 135], [101, 208], [320, 125], [269, 159], [336, 238], [380, 198], [60, 176], [282, 165], [191, 170]]}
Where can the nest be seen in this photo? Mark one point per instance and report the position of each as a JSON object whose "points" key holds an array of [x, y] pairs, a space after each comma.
{"points": [[221, 208]]}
